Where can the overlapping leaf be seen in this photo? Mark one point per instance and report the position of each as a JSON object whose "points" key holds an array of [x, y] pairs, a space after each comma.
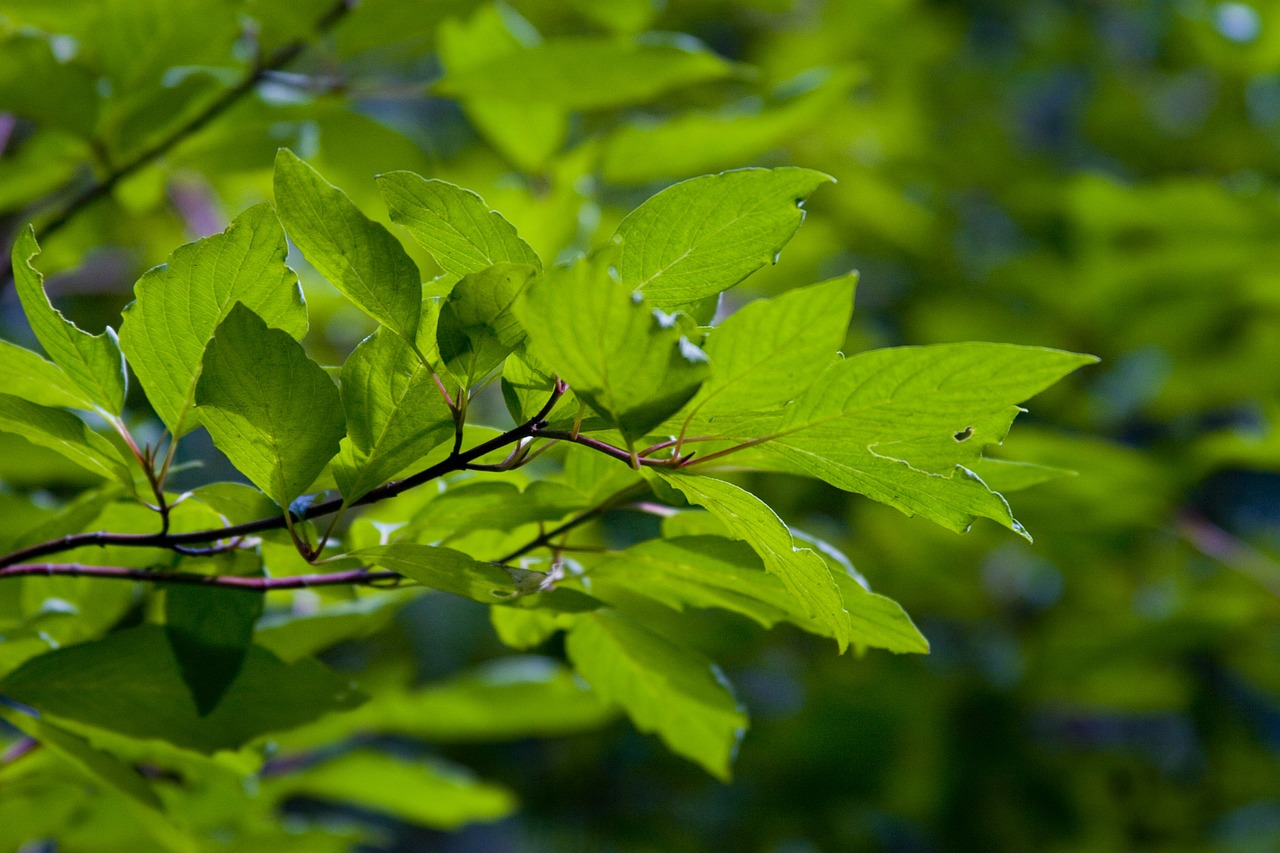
{"points": [[357, 255], [611, 348], [664, 688], [273, 411], [64, 433], [178, 305], [477, 327], [394, 413]]}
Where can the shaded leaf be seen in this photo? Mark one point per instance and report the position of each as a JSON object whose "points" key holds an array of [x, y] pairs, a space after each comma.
{"points": [[177, 307], [64, 433], [210, 630], [666, 689], [272, 410], [453, 571], [477, 328], [129, 682]]}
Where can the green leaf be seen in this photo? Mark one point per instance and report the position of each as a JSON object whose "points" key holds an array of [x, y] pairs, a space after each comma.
{"points": [[527, 133], [357, 255], [210, 630], [178, 306], [765, 353], [586, 73], [801, 570], [488, 505], [900, 425], [703, 236], [129, 682], [274, 412], [477, 328], [25, 374], [291, 636], [64, 433], [615, 353], [454, 225], [506, 699], [395, 413], [453, 571], [664, 688], [94, 362], [427, 793]]}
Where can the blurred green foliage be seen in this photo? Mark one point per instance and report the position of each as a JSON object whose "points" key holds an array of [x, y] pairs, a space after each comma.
{"points": [[1099, 177]]}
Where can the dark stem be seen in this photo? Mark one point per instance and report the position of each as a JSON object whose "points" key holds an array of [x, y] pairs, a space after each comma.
{"points": [[607, 449], [277, 60], [456, 462], [544, 539], [78, 570]]}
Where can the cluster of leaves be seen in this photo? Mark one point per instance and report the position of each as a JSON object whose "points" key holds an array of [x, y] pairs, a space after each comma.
{"points": [[603, 358]]}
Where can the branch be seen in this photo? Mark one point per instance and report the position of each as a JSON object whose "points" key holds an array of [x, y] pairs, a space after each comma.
{"points": [[608, 449], [455, 462], [360, 577], [277, 60]]}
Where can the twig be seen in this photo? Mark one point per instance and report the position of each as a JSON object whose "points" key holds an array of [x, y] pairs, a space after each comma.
{"points": [[544, 538], [78, 570], [453, 463]]}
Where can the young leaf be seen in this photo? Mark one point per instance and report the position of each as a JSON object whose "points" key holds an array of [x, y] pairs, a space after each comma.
{"points": [[765, 353], [94, 362], [273, 411], [64, 433], [477, 328], [128, 682], [25, 374], [616, 354], [617, 73], [178, 305], [210, 630], [453, 224], [394, 411], [900, 424], [453, 571], [702, 236], [665, 688], [802, 572], [357, 255]]}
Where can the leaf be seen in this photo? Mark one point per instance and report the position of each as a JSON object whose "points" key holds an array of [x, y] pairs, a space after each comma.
{"points": [[703, 236], [177, 307], [210, 630], [615, 353], [453, 571], [506, 699], [357, 255], [899, 425], [129, 682], [477, 328], [764, 354], [395, 413], [291, 636], [802, 571], [527, 133], [274, 412], [586, 73], [454, 225], [64, 433], [664, 688], [25, 374], [93, 362], [426, 793]]}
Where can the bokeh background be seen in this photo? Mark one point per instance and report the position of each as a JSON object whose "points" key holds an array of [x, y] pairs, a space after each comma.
{"points": [[1095, 176]]}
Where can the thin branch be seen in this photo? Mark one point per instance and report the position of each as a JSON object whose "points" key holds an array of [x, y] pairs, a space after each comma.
{"points": [[544, 538], [277, 60], [453, 463], [607, 449], [358, 577]]}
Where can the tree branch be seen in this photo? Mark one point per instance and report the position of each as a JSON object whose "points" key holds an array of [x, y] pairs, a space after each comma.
{"points": [[173, 541], [86, 197], [359, 577]]}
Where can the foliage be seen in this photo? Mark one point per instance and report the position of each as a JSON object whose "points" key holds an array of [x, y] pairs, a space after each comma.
{"points": [[1042, 174]]}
